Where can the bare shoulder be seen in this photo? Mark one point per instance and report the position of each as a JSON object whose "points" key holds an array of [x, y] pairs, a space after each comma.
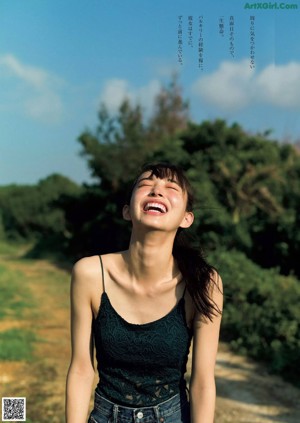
{"points": [[113, 263], [86, 267], [86, 274]]}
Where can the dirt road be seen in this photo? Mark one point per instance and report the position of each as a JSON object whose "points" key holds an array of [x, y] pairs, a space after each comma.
{"points": [[246, 392]]}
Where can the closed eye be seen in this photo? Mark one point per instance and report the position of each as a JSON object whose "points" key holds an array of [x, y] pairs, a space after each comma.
{"points": [[174, 187], [144, 185]]}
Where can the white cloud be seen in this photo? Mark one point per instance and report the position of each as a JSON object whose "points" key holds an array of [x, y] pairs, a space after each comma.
{"points": [[228, 87], [115, 91], [234, 86], [280, 85], [39, 97]]}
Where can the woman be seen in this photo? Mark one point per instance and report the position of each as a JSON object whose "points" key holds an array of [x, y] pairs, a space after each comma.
{"points": [[141, 307]]}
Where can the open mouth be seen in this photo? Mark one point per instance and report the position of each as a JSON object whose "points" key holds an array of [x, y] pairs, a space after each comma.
{"points": [[155, 207]]}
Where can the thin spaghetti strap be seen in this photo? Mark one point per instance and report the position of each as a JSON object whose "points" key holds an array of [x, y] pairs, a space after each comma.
{"points": [[102, 273]]}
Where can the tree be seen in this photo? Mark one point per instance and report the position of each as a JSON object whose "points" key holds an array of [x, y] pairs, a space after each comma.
{"points": [[247, 186], [129, 139], [115, 151], [31, 211]]}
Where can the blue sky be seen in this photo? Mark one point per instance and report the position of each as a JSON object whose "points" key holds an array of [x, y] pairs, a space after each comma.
{"points": [[60, 59]]}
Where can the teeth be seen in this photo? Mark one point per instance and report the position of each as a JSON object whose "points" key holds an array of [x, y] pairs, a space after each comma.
{"points": [[158, 206]]}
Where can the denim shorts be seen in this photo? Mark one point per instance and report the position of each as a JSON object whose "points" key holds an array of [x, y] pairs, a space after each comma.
{"points": [[174, 410]]}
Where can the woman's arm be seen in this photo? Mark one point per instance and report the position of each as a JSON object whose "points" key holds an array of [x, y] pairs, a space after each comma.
{"points": [[205, 346], [81, 371]]}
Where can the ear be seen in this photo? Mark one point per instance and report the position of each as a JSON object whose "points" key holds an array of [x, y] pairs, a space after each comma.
{"points": [[126, 212], [188, 220]]}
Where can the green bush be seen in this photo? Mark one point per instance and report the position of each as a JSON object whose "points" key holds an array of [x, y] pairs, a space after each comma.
{"points": [[34, 211], [261, 313]]}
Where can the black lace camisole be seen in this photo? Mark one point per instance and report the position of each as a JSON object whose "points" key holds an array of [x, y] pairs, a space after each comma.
{"points": [[140, 365]]}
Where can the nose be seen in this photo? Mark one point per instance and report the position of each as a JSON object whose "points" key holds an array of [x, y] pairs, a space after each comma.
{"points": [[156, 191]]}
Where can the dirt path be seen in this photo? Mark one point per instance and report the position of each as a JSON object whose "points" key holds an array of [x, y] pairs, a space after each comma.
{"points": [[246, 393], [42, 381]]}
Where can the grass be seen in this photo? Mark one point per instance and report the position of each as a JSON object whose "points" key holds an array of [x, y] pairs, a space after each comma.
{"points": [[15, 297], [13, 247], [34, 336], [16, 344], [18, 302], [15, 300]]}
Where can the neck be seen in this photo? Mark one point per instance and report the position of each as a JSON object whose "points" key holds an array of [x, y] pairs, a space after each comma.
{"points": [[149, 258]]}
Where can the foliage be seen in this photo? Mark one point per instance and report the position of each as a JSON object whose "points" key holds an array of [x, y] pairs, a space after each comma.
{"points": [[247, 186], [247, 190], [31, 210], [34, 212], [115, 150], [123, 142], [10, 248], [261, 312], [251, 190]]}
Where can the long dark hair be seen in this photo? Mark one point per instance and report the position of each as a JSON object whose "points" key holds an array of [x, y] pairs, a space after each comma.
{"points": [[200, 277]]}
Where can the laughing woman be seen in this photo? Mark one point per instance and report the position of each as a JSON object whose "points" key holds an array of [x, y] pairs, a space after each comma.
{"points": [[141, 308]]}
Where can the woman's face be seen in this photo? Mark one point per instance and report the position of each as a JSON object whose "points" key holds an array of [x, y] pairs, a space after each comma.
{"points": [[158, 203]]}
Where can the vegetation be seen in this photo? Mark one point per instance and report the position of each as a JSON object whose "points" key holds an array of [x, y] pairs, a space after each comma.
{"points": [[21, 283], [15, 298], [34, 213], [16, 344], [31, 211], [262, 314], [248, 193], [16, 301]]}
